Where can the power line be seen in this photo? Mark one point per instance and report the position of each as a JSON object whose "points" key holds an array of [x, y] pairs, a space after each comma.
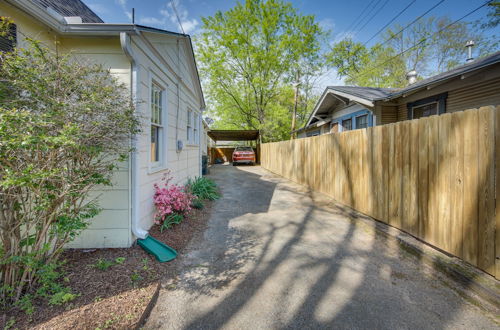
{"points": [[177, 15], [390, 22], [425, 39], [376, 13], [412, 22], [359, 16], [355, 27]]}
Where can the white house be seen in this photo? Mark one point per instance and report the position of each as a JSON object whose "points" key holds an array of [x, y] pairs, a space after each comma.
{"points": [[160, 70]]}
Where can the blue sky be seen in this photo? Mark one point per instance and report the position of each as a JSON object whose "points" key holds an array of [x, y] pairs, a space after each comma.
{"points": [[341, 17]]}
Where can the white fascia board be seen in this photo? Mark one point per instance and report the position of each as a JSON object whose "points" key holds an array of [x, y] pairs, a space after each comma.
{"points": [[316, 107], [354, 98]]}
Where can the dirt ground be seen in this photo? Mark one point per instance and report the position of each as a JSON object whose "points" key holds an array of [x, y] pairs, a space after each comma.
{"points": [[117, 297]]}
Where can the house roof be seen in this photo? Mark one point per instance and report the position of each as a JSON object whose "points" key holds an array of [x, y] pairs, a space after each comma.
{"points": [[459, 70], [71, 8], [368, 93]]}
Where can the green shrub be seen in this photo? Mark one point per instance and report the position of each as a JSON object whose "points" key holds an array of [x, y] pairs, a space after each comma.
{"points": [[203, 188], [119, 260], [170, 220], [62, 297], [57, 118], [103, 264], [197, 204]]}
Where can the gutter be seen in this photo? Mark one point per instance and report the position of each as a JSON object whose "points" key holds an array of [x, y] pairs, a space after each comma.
{"points": [[134, 161]]}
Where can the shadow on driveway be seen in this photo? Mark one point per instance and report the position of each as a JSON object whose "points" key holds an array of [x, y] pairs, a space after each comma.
{"points": [[276, 255]]}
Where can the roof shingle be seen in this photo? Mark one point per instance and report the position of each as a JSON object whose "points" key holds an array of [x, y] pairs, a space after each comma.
{"points": [[71, 8]]}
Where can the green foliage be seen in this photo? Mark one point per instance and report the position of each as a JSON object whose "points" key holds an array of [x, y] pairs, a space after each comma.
{"points": [[135, 277], [198, 204], [119, 260], [251, 55], [103, 264], [62, 297], [170, 220], [440, 47], [64, 127], [203, 188]]}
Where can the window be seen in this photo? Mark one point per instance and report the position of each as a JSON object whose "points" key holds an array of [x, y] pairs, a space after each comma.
{"points": [[156, 124], [8, 42], [312, 133], [347, 124], [195, 129], [362, 121], [425, 110], [434, 105], [189, 136]]}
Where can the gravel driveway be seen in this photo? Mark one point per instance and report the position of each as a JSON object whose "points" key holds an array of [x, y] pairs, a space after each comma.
{"points": [[277, 256]]}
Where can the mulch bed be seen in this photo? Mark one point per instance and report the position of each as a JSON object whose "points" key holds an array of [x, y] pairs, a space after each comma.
{"points": [[115, 298]]}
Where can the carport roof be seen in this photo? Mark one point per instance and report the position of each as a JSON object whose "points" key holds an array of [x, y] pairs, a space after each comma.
{"points": [[233, 135]]}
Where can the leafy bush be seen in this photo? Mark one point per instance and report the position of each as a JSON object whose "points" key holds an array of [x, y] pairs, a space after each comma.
{"points": [[103, 264], [197, 204], [64, 126], [62, 297], [170, 220], [172, 202], [203, 188]]}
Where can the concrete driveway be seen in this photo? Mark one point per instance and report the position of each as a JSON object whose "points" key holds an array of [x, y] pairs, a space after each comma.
{"points": [[276, 256]]}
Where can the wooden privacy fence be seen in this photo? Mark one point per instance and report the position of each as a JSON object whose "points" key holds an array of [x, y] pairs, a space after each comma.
{"points": [[432, 177]]}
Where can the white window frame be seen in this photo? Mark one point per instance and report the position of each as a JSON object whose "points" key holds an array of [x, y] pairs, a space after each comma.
{"points": [[160, 164], [189, 126], [424, 105], [196, 128]]}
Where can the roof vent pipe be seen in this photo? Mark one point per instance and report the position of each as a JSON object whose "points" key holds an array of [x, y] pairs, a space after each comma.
{"points": [[411, 77], [469, 46]]}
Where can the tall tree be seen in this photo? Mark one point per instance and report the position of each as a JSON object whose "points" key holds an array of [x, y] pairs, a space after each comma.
{"points": [[249, 55], [429, 46]]}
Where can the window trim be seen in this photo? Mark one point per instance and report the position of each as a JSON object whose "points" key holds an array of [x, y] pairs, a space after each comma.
{"points": [[367, 120], [353, 116], [440, 99], [160, 165], [193, 123]]}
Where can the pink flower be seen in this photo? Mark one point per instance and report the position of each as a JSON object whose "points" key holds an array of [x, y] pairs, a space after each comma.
{"points": [[170, 199]]}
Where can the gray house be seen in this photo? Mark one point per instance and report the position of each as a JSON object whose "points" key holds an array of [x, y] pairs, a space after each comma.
{"points": [[343, 108]]}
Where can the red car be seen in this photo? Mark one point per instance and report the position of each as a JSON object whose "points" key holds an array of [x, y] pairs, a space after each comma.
{"points": [[243, 155]]}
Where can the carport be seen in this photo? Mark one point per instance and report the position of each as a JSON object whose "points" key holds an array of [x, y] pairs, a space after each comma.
{"points": [[231, 136]]}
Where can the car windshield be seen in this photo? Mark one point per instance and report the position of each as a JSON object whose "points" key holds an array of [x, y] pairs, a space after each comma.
{"points": [[243, 149]]}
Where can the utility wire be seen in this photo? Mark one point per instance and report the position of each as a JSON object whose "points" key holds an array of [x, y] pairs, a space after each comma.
{"points": [[359, 16], [374, 15], [425, 39], [365, 16], [390, 22], [412, 22], [177, 15]]}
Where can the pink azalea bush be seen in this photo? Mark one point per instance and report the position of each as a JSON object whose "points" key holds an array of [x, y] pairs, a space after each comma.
{"points": [[170, 199]]}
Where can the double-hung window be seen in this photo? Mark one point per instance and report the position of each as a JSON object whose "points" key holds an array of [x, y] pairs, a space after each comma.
{"points": [[189, 126], [362, 121], [347, 124], [196, 129], [430, 106], [157, 146]]}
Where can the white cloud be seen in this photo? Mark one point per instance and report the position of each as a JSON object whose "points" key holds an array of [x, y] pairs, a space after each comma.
{"points": [[189, 25], [123, 5], [152, 21]]}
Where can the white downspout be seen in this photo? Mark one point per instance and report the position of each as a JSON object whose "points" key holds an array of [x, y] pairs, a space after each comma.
{"points": [[134, 85]]}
